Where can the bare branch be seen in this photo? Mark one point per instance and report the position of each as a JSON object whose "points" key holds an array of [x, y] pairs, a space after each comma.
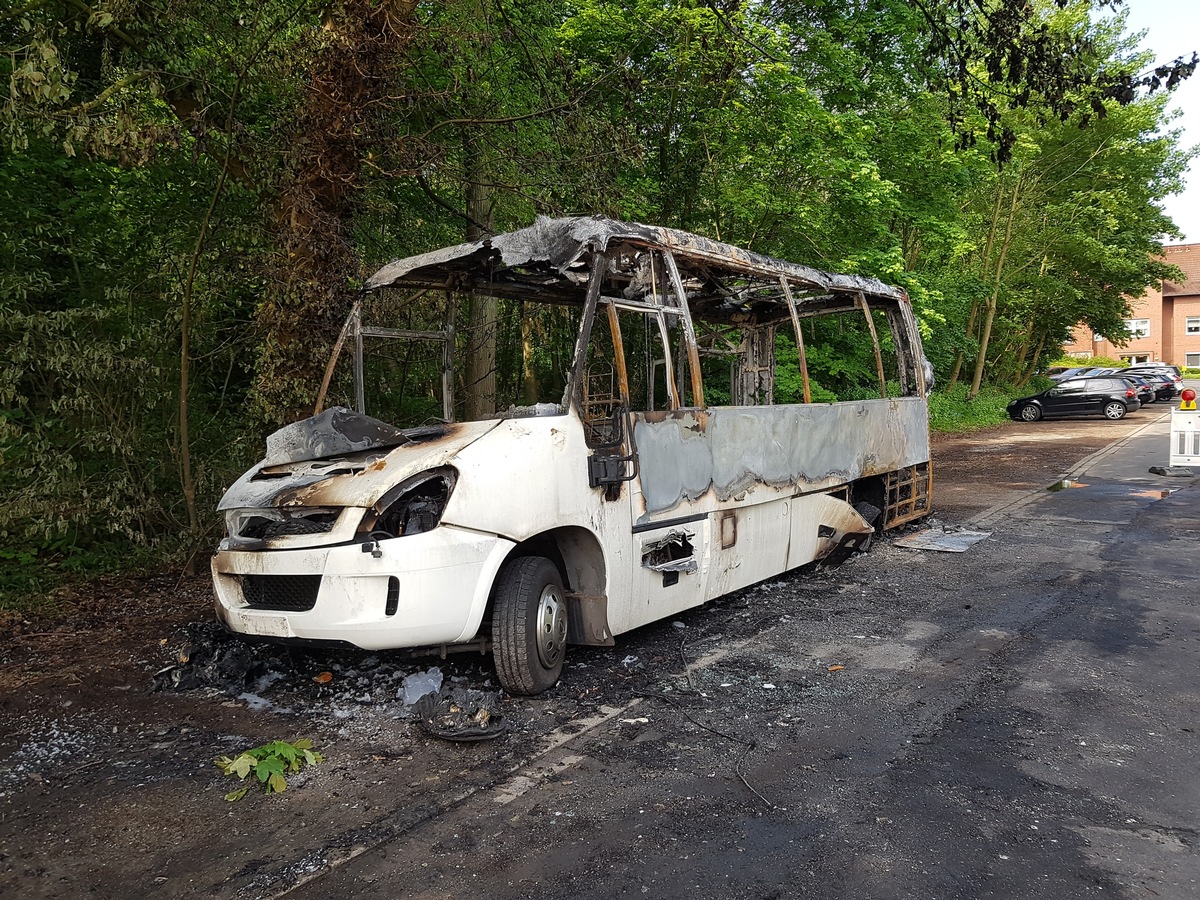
{"points": [[429, 192], [504, 120]]}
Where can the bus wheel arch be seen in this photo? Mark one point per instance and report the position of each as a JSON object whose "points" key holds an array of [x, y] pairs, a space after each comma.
{"points": [[868, 496], [525, 606]]}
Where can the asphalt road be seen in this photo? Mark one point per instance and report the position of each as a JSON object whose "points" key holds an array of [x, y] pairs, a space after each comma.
{"points": [[1015, 721]]}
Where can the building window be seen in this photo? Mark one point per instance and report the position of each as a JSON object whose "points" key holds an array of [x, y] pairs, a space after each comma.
{"points": [[1193, 325], [1192, 360], [1139, 328]]}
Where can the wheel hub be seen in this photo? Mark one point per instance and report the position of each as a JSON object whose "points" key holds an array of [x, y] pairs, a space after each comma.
{"points": [[551, 626]]}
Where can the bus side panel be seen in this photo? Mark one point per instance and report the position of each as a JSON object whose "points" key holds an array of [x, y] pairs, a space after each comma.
{"points": [[666, 577], [751, 543], [735, 547], [691, 461]]}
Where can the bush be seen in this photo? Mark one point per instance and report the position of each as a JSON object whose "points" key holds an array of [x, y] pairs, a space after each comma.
{"points": [[1075, 361], [950, 410]]}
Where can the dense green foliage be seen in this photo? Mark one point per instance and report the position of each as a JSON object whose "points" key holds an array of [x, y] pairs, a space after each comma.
{"points": [[189, 195]]}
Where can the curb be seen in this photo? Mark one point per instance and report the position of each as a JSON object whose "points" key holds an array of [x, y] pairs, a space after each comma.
{"points": [[1006, 507]]}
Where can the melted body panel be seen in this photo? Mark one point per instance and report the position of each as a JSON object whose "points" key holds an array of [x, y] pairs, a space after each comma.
{"points": [[336, 432], [352, 480], [732, 450], [560, 245]]}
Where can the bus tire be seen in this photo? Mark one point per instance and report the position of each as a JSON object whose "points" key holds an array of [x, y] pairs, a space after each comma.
{"points": [[529, 625], [874, 517]]}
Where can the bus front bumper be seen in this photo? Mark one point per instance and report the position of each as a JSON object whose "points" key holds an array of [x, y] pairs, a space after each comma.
{"points": [[415, 591]]}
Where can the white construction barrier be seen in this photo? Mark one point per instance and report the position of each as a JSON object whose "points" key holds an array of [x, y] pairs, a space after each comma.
{"points": [[1185, 437]]}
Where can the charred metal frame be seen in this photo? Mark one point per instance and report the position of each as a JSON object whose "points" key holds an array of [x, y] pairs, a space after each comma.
{"points": [[354, 329], [637, 268], [906, 494], [598, 246], [795, 317], [861, 301], [409, 529], [673, 279]]}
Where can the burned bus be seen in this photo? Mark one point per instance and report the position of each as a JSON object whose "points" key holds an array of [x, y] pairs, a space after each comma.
{"points": [[680, 452]]}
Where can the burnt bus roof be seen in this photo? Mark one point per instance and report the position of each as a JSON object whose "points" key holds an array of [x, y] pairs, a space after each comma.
{"points": [[549, 262]]}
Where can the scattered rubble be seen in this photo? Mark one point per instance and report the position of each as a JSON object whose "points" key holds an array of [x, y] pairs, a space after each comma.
{"points": [[205, 660], [378, 694], [418, 684], [53, 743]]}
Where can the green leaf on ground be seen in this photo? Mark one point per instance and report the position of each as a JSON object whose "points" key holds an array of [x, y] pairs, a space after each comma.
{"points": [[270, 764]]}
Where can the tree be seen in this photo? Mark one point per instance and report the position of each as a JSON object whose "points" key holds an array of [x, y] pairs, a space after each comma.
{"points": [[1070, 227], [191, 194], [994, 57]]}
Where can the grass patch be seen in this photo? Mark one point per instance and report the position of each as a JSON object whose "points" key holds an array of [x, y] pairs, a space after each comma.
{"points": [[29, 579], [950, 410]]}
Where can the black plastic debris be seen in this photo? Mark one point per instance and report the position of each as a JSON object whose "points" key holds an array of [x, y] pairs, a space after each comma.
{"points": [[209, 658], [461, 714]]}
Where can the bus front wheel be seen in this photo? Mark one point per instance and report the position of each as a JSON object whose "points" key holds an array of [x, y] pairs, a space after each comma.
{"points": [[529, 625]]}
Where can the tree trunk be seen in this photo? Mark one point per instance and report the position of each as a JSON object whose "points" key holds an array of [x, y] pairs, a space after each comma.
{"points": [[1033, 363], [994, 297], [185, 358], [961, 355], [985, 259], [480, 388], [1023, 353]]}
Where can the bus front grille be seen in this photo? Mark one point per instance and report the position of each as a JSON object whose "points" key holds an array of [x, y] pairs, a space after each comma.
{"points": [[286, 593]]}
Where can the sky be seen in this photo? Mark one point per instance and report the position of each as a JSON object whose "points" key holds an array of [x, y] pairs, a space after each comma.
{"points": [[1173, 29]]}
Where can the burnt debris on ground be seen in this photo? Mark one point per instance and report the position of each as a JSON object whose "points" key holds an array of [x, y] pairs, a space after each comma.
{"points": [[461, 714], [209, 658], [374, 693], [336, 684]]}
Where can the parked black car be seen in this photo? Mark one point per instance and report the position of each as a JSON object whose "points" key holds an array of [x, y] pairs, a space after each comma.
{"points": [[1109, 396], [1171, 372], [1059, 373], [1164, 385], [1145, 388]]}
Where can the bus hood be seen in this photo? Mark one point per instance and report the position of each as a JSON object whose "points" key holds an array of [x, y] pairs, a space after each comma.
{"points": [[345, 459]]}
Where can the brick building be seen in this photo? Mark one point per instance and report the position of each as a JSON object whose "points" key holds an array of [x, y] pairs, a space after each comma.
{"points": [[1165, 323]]}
